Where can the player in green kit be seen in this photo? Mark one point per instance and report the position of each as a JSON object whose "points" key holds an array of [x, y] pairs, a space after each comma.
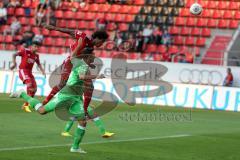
{"points": [[71, 94]]}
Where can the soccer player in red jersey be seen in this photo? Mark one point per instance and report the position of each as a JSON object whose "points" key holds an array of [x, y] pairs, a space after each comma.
{"points": [[28, 58], [82, 41]]}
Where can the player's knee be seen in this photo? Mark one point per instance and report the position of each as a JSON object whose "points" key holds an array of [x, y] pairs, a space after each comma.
{"points": [[41, 110], [82, 123]]}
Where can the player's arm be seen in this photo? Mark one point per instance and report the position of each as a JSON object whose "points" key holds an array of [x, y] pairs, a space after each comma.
{"points": [[70, 32], [42, 70], [74, 53], [14, 61]]}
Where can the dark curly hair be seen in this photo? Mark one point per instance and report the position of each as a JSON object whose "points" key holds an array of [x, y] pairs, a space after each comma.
{"points": [[100, 35]]}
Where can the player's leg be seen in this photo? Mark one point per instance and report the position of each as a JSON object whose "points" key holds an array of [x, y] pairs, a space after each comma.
{"points": [[67, 128], [65, 72], [78, 136], [31, 90], [99, 123]]}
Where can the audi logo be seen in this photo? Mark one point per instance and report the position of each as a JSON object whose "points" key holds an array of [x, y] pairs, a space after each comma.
{"points": [[205, 77]]}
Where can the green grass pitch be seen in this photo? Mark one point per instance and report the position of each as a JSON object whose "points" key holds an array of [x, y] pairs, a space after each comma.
{"points": [[208, 135]]}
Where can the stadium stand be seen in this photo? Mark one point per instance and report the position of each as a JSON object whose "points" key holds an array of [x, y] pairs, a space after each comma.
{"points": [[187, 31]]}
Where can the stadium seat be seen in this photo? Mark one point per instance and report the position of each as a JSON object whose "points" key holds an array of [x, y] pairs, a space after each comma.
{"points": [[133, 56], [59, 14], [185, 31], [189, 57], [184, 12], [223, 23], [157, 57], [212, 23], [161, 49], [67, 43], [180, 21], [72, 24], [89, 16], [2, 38], [173, 50], [217, 14], [122, 27], [119, 17], [109, 16], [154, 11], [93, 7], [151, 48], [99, 15], [206, 13], [190, 22], [201, 22], [129, 18], [227, 14], [91, 25], [174, 12], [178, 40], [82, 24], [134, 10], [20, 12], [10, 47], [139, 2], [233, 24], [53, 50], [189, 3], [237, 15], [32, 21], [114, 8], [223, 5], [104, 7], [36, 30], [211, 4], [10, 11], [80, 15], [48, 41], [45, 32], [206, 32], [8, 39], [195, 31], [125, 9], [233, 5], [200, 42], [69, 14], [189, 41], [173, 30], [59, 42], [55, 33]]}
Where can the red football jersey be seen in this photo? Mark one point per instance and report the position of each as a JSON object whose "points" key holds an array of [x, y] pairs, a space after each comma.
{"points": [[28, 59], [86, 41]]}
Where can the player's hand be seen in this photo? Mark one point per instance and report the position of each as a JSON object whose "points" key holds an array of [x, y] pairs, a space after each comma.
{"points": [[101, 76], [92, 66], [13, 66]]}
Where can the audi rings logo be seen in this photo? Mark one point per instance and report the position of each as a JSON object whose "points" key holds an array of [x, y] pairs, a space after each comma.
{"points": [[195, 76]]}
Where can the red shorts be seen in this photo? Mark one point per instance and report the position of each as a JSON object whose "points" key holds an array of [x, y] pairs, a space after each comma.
{"points": [[66, 69], [25, 74]]}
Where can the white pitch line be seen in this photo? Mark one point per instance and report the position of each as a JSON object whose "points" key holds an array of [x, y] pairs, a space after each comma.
{"points": [[95, 142]]}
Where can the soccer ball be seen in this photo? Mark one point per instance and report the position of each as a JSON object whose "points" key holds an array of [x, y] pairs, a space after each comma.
{"points": [[196, 9]]}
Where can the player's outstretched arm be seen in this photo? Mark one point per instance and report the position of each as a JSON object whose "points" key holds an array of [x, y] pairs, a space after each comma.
{"points": [[71, 32], [14, 61]]}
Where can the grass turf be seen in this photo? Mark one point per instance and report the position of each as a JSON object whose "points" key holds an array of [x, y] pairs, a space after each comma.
{"points": [[212, 135]]}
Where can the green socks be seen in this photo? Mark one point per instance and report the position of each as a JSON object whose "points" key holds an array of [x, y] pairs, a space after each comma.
{"points": [[32, 101], [98, 122], [68, 126], [79, 133]]}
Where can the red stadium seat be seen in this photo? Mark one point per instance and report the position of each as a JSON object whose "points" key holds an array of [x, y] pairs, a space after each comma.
{"points": [[217, 14], [139, 2], [122, 27], [114, 8], [189, 3], [211, 4], [200, 42], [195, 32], [85, 9], [173, 50], [201, 22], [53, 50], [185, 31], [99, 15], [27, 3], [227, 14], [161, 49], [190, 22], [20, 12], [206, 32], [237, 15], [189, 57], [23, 20], [2, 38], [10, 47], [184, 12], [125, 9], [180, 21], [34, 4], [48, 41], [119, 17], [72, 24], [89, 16], [79, 15], [93, 7], [223, 5], [233, 24], [69, 15], [178, 40], [32, 21], [109, 16], [233, 5], [82, 24], [135, 10], [104, 7], [43, 49], [91, 25], [68, 42], [45, 32], [59, 14], [157, 57], [8, 39], [36, 30], [133, 56], [206, 13], [223, 23], [10, 11], [59, 42], [189, 41], [212, 23], [129, 18], [173, 30], [151, 48]]}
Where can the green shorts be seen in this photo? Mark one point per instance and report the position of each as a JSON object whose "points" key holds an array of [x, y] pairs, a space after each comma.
{"points": [[68, 103]]}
